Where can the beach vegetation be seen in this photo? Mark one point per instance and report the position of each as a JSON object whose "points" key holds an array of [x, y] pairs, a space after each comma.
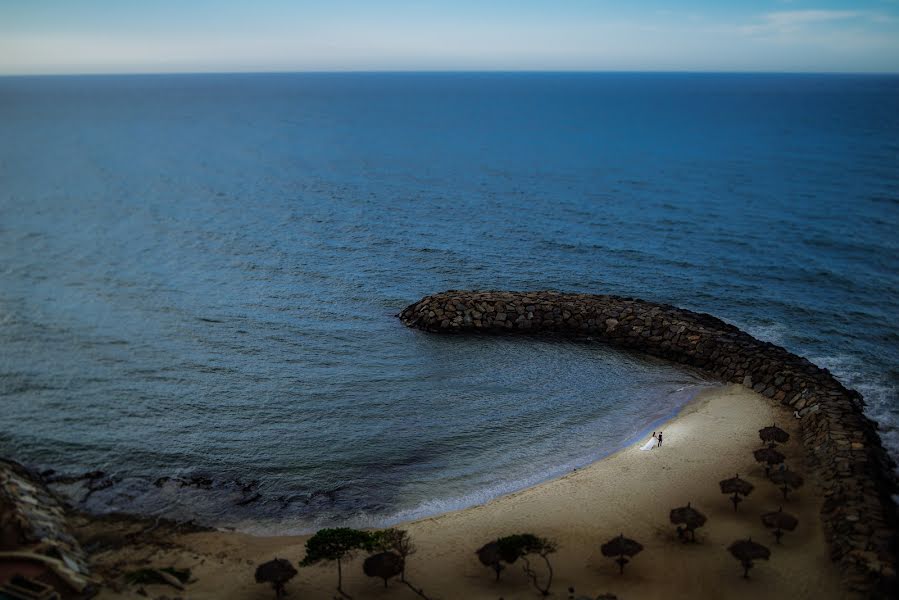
{"points": [[524, 546], [336, 545], [397, 542], [393, 540]]}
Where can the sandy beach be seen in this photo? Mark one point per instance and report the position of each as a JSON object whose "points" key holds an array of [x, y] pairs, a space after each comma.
{"points": [[631, 491]]}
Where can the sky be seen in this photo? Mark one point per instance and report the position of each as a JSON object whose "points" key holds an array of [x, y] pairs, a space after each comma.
{"points": [[146, 36]]}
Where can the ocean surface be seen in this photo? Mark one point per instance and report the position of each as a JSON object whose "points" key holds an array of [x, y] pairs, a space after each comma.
{"points": [[199, 274]]}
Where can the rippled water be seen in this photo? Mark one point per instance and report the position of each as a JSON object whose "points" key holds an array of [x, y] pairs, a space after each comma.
{"points": [[200, 273]]}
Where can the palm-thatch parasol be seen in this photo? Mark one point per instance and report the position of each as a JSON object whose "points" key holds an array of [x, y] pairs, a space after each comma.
{"points": [[689, 517], [769, 456], [773, 435], [736, 486], [779, 521], [489, 556], [787, 480], [621, 546], [384, 565], [276, 572], [747, 551]]}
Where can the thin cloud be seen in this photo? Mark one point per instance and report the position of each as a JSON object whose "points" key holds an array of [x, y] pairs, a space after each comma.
{"points": [[787, 21]]}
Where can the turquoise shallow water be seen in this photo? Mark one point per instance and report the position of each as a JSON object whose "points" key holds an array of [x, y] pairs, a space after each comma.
{"points": [[200, 273]]}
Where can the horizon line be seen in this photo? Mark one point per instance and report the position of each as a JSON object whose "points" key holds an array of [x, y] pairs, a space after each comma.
{"points": [[448, 72]]}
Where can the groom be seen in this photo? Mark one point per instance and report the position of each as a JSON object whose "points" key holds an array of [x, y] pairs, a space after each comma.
{"points": [[660, 440]]}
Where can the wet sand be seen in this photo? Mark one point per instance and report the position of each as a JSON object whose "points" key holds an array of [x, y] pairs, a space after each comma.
{"points": [[631, 491]]}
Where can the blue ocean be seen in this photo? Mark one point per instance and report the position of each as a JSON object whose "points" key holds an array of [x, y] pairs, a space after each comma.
{"points": [[199, 274]]}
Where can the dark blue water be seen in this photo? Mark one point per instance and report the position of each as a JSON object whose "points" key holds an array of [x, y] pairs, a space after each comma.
{"points": [[199, 274]]}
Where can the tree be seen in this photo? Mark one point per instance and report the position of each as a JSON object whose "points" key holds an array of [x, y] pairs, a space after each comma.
{"points": [[336, 544], [393, 540], [398, 543], [521, 546]]}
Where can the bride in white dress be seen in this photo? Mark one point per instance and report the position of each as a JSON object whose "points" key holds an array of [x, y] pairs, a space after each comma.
{"points": [[649, 445]]}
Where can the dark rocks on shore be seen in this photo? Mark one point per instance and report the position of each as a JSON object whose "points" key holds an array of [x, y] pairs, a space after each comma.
{"points": [[51, 476], [855, 474], [249, 490], [197, 481], [34, 520], [246, 492]]}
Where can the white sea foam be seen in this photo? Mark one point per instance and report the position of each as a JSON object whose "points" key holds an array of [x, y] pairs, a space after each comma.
{"points": [[482, 495], [880, 396]]}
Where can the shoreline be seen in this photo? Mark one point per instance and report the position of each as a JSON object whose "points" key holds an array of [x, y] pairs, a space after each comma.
{"points": [[266, 525], [695, 395], [857, 477], [629, 491], [630, 443]]}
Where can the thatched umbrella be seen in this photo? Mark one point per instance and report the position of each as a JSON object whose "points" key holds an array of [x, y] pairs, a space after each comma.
{"points": [[689, 517], [769, 456], [384, 565], [621, 546], [489, 556], [779, 521], [786, 480], [747, 551], [276, 572], [736, 486], [773, 434]]}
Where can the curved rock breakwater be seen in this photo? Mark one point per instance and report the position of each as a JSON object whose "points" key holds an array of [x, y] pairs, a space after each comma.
{"points": [[856, 475]]}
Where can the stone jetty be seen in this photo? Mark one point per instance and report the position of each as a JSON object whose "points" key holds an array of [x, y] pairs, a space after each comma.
{"points": [[856, 475]]}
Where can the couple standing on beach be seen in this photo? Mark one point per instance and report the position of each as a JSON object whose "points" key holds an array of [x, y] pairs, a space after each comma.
{"points": [[654, 442]]}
